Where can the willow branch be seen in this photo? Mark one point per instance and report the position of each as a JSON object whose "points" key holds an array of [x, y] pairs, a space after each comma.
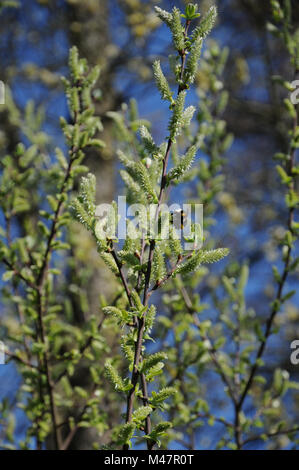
{"points": [[141, 321], [281, 283]]}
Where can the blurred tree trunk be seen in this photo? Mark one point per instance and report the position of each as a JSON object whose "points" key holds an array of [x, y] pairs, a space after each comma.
{"points": [[87, 26]]}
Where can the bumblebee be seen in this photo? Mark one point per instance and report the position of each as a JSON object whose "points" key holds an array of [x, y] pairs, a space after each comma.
{"points": [[178, 218]]}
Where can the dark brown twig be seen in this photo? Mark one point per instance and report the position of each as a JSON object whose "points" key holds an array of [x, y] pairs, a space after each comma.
{"points": [[141, 321]]}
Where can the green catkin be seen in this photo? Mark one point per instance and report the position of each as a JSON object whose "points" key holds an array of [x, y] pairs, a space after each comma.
{"points": [[176, 121], [177, 30], [205, 25], [192, 62], [161, 82], [184, 164], [165, 16]]}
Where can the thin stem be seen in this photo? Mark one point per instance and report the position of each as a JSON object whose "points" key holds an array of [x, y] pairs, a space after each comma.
{"points": [[81, 350], [271, 434], [50, 385], [121, 274], [17, 358], [57, 213], [141, 321], [68, 440], [18, 273], [148, 424], [281, 283], [211, 351], [39, 287]]}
